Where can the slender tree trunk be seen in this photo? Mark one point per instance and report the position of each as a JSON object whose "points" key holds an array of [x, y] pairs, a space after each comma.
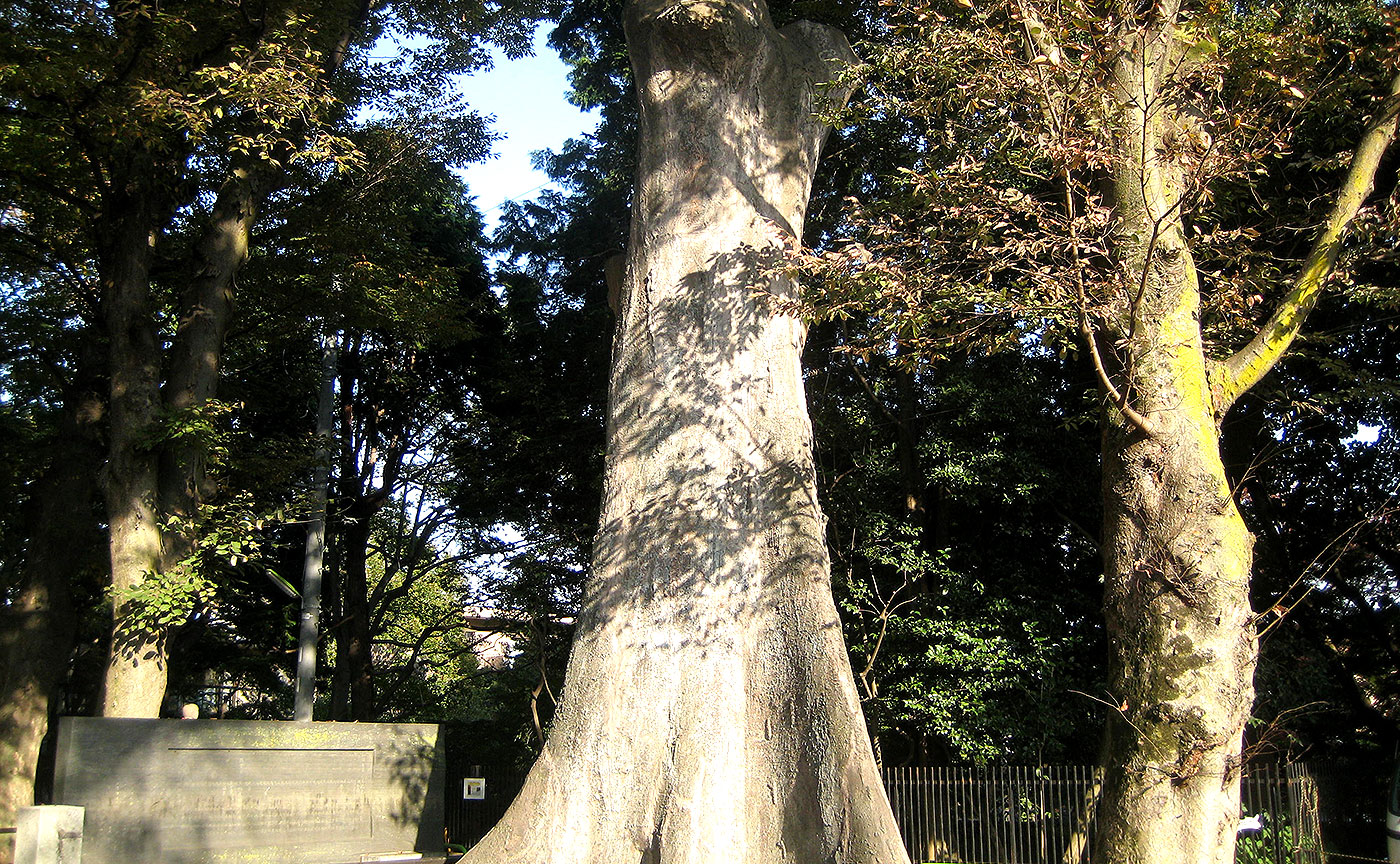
{"points": [[358, 659], [136, 672], [192, 364], [39, 628], [1177, 555], [709, 712], [310, 630], [333, 609]]}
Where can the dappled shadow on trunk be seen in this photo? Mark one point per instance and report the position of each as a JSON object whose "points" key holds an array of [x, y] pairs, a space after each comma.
{"points": [[709, 712]]}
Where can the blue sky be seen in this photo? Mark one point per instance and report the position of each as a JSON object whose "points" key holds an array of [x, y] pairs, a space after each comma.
{"points": [[527, 98]]}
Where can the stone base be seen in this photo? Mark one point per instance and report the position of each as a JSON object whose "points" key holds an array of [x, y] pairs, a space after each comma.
{"points": [[49, 834]]}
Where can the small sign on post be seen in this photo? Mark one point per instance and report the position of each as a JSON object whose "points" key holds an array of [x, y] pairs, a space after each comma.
{"points": [[474, 788]]}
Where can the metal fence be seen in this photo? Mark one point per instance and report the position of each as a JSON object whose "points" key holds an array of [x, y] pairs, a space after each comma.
{"points": [[469, 820], [1286, 796], [997, 815], [1045, 814]]}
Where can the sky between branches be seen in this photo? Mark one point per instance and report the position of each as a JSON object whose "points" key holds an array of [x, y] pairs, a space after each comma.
{"points": [[527, 97]]}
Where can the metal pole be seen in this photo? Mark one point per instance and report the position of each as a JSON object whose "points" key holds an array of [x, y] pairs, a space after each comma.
{"points": [[316, 538]]}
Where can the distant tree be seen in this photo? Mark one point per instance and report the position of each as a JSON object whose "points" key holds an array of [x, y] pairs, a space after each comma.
{"points": [[136, 119]]}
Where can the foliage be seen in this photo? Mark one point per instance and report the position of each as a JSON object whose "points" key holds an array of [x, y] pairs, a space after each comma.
{"points": [[969, 593], [962, 245], [233, 529], [126, 121], [975, 219], [1002, 116], [1323, 506], [536, 454], [1276, 844]]}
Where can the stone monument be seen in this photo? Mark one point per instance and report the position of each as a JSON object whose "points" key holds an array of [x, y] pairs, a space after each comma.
{"points": [[224, 791]]}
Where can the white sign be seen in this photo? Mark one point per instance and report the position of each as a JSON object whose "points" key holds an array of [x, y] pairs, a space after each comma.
{"points": [[474, 788]]}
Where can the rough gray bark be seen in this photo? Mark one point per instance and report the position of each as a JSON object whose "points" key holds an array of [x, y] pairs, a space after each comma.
{"points": [[1177, 561], [709, 712]]}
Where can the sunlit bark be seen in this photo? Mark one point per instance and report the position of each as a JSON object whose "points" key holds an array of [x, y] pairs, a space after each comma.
{"points": [[1177, 554], [709, 712]]}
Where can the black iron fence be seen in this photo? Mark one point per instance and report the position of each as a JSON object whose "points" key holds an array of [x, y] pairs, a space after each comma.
{"points": [[1006, 814], [1282, 814], [1045, 814], [999, 815], [468, 819]]}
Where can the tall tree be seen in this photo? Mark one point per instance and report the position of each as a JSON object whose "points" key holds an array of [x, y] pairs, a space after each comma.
{"points": [[388, 255], [59, 518], [1076, 161], [1177, 554], [149, 124], [709, 710]]}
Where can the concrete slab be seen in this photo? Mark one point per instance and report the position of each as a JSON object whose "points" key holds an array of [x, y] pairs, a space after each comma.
{"points": [[242, 791]]}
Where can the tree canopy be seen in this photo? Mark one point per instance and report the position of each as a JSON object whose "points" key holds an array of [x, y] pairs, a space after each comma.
{"points": [[1091, 292]]}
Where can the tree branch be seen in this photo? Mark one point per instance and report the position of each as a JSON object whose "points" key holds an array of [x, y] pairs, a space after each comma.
{"points": [[1086, 330], [1233, 377]]}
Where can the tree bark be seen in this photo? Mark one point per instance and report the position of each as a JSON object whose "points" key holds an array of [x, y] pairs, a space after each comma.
{"points": [[39, 628], [355, 635], [136, 671], [1177, 554], [156, 492], [1177, 560], [192, 373], [709, 711]]}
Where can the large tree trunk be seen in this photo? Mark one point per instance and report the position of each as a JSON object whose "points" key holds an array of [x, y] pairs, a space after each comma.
{"points": [[1177, 562], [40, 626], [136, 671], [709, 712], [154, 493], [1177, 555]]}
